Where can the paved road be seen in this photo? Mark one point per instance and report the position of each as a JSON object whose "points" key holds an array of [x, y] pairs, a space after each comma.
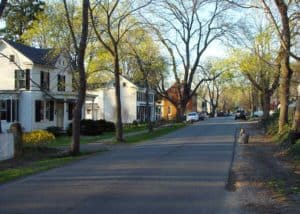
{"points": [[184, 172]]}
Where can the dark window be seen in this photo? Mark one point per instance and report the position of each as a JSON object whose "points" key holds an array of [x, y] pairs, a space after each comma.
{"points": [[61, 82], [12, 58], [20, 79], [50, 110], [3, 109], [71, 107], [15, 110], [39, 110], [45, 81], [8, 111]]}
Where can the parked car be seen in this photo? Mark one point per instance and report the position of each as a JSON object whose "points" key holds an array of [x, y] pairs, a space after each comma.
{"points": [[201, 116], [240, 114], [192, 116]]}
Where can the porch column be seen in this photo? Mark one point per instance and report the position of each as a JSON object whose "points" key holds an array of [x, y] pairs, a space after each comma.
{"points": [[66, 110], [93, 110]]}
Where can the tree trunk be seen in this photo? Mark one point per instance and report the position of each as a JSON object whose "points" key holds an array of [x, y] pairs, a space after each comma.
{"points": [[213, 110], [75, 146], [148, 108], [180, 112], [266, 105], [286, 72], [2, 7], [119, 125], [284, 91], [296, 122]]}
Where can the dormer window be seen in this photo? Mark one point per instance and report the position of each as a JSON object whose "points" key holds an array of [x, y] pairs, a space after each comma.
{"points": [[124, 84], [61, 82], [22, 79], [12, 58]]}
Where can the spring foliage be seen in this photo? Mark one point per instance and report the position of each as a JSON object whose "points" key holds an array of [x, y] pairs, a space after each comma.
{"points": [[38, 137]]}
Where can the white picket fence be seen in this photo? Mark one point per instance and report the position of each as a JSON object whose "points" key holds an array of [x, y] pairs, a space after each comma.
{"points": [[6, 146]]}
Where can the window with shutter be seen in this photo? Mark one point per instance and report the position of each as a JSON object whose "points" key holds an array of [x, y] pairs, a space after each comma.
{"points": [[38, 107]]}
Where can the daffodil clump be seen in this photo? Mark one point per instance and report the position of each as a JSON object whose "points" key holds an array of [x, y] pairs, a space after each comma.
{"points": [[38, 137]]}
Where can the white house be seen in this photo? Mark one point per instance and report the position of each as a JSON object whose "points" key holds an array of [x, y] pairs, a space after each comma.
{"points": [[35, 87], [133, 102]]}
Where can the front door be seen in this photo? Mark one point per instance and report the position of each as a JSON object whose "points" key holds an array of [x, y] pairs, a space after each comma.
{"points": [[60, 114]]}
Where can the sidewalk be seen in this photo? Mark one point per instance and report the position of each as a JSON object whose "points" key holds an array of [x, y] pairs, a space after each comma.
{"points": [[257, 168]]}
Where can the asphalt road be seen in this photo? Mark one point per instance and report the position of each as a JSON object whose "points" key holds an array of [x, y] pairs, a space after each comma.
{"points": [[183, 172]]}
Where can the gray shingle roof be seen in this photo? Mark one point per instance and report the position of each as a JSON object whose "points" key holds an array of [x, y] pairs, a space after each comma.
{"points": [[36, 55]]}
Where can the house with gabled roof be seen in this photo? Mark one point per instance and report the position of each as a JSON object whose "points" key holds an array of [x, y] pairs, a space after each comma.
{"points": [[35, 87], [133, 101]]}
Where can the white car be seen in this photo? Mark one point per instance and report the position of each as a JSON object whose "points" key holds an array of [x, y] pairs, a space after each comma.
{"points": [[192, 116]]}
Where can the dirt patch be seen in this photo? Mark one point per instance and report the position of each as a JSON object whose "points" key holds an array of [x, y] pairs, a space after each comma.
{"points": [[264, 177]]}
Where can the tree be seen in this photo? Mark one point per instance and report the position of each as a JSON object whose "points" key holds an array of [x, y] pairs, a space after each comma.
{"points": [[194, 26], [19, 15], [284, 29], [111, 21], [259, 64], [2, 6], [149, 64], [80, 45]]}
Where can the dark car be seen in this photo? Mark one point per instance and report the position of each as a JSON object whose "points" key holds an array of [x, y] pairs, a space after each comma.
{"points": [[240, 114]]}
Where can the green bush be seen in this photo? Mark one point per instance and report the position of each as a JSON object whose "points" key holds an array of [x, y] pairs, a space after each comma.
{"points": [[57, 131], [135, 123], [295, 150], [38, 137], [93, 127], [90, 127], [106, 126]]}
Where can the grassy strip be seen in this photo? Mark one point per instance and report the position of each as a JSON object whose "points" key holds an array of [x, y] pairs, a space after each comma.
{"points": [[156, 133], [37, 166], [66, 140]]}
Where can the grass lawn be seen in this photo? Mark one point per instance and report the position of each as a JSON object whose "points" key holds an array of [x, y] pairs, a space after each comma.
{"points": [[37, 166], [156, 133], [66, 140]]}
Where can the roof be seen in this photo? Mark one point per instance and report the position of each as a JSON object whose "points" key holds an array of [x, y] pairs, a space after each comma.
{"points": [[36, 55]]}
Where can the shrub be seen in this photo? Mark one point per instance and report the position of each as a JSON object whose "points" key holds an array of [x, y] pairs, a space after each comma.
{"points": [[87, 127], [107, 126], [90, 127], [135, 123], [54, 130], [38, 137], [295, 150]]}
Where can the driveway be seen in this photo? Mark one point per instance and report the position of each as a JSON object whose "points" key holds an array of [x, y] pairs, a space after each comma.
{"points": [[183, 172]]}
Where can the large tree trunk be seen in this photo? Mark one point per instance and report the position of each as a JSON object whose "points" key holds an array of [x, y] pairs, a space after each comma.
{"points": [[180, 110], [119, 124], [148, 109], [284, 92], [286, 72], [2, 6], [266, 105], [296, 122], [75, 146]]}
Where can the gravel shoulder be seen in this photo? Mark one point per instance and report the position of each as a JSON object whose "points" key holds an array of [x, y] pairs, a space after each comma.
{"points": [[264, 178]]}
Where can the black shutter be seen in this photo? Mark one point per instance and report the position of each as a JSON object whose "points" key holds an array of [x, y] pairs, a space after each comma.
{"points": [[47, 81], [51, 110], [14, 110], [42, 80], [16, 79], [27, 82], [8, 110], [38, 104]]}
